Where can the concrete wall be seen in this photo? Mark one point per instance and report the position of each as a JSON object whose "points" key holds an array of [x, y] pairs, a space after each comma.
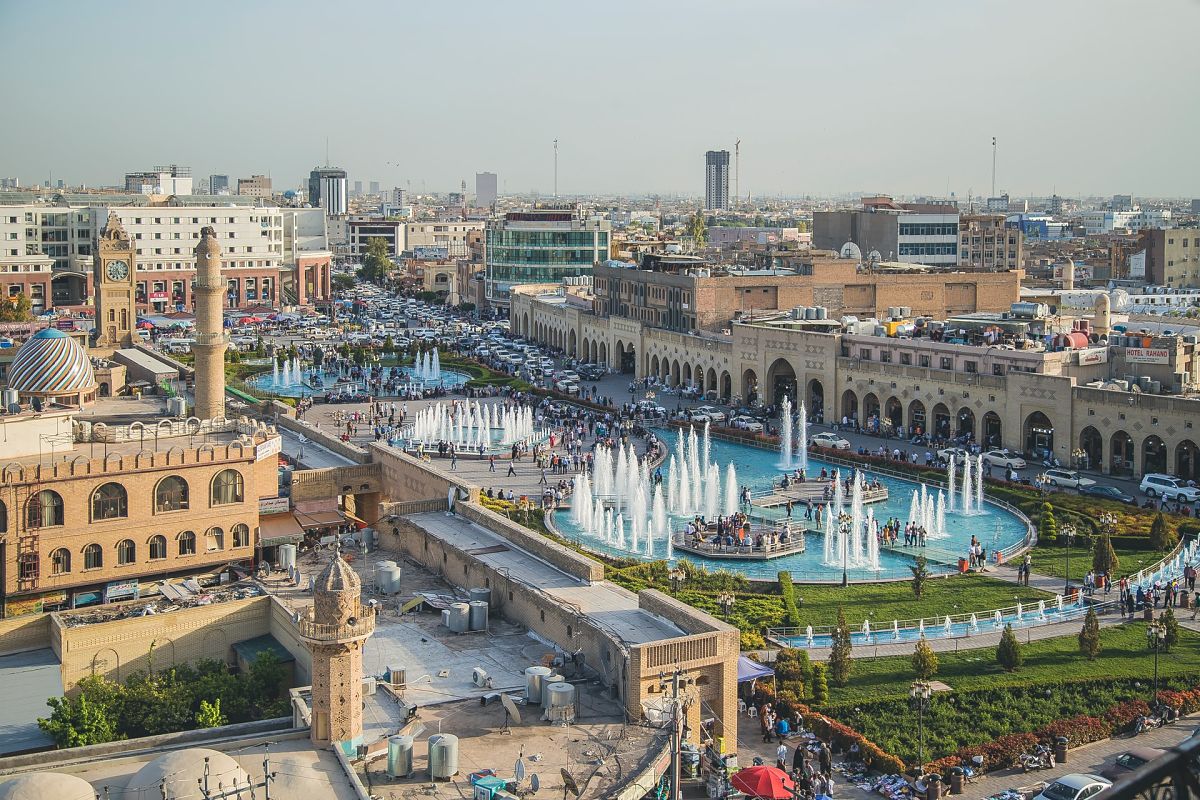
{"points": [[24, 633], [563, 558], [324, 438], [408, 478]]}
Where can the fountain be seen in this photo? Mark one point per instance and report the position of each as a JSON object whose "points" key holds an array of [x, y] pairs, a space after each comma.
{"points": [[803, 451], [731, 490], [866, 630], [808, 634], [974, 623], [896, 630], [921, 629], [1042, 610], [785, 433], [999, 620], [947, 627], [979, 484], [966, 486], [658, 518], [1058, 602], [1020, 613]]}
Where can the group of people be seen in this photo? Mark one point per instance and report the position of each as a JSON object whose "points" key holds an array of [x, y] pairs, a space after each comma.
{"points": [[810, 761], [735, 531]]}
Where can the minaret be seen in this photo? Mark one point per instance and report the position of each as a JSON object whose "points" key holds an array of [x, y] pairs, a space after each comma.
{"points": [[210, 344], [335, 629]]}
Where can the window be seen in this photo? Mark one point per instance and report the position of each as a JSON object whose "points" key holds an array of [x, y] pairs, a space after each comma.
{"points": [[997, 369], [864, 353], [227, 487], [947, 362], [187, 544], [158, 547], [45, 509], [906, 359], [110, 502], [970, 366], [126, 551], [3, 518], [885, 356], [60, 561], [923, 361], [214, 540], [171, 494], [241, 535], [93, 557]]}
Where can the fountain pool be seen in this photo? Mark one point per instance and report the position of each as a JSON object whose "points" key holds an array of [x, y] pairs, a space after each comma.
{"points": [[755, 468], [292, 380]]}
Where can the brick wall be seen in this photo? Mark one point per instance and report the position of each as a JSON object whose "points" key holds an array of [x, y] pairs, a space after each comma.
{"points": [[407, 478], [563, 558]]}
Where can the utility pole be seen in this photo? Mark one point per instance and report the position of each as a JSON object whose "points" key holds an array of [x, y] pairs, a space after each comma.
{"points": [[993, 166], [675, 682], [556, 169]]}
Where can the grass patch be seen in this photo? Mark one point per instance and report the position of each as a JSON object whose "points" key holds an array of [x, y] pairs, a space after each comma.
{"points": [[1053, 560]]}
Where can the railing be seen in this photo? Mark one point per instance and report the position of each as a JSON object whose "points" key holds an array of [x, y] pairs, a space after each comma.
{"points": [[1174, 776], [325, 632]]}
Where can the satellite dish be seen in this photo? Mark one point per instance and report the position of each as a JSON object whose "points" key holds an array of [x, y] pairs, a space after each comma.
{"points": [[851, 250], [510, 708], [520, 770], [569, 784], [535, 783]]}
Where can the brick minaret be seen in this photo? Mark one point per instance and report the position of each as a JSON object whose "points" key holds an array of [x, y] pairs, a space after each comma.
{"points": [[210, 344]]}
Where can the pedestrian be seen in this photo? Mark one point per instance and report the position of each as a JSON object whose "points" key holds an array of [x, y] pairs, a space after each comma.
{"points": [[453, 461], [781, 755], [511, 471], [492, 463]]}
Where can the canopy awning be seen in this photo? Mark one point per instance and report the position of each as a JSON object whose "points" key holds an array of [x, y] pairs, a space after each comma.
{"points": [[320, 519], [276, 529], [749, 670]]}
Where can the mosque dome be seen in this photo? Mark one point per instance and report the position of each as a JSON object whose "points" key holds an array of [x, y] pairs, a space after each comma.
{"points": [[41, 785], [182, 772], [51, 363], [338, 577]]}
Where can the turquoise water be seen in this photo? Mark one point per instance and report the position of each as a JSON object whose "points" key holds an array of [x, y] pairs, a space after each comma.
{"points": [[299, 383], [994, 527]]}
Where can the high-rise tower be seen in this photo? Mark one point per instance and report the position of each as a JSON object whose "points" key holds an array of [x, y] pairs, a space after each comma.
{"points": [[716, 180], [210, 344], [335, 629]]}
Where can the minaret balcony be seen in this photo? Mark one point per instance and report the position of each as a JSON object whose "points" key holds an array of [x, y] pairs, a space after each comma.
{"points": [[353, 629]]}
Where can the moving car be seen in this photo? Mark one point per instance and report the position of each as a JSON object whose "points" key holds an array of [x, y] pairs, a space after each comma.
{"points": [[1108, 493], [1130, 760], [831, 440], [1155, 484], [747, 424], [1067, 478], [1075, 786], [958, 453], [1003, 458], [715, 415]]}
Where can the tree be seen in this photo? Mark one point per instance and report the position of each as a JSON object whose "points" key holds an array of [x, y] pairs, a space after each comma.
{"points": [[920, 575], [209, 715], [377, 262], [1104, 558], [1089, 637], [16, 308], [924, 660], [697, 229], [840, 661], [820, 685], [1048, 526], [389, 345], [318, 357], [89, 718], [1008, 653], [1170, 628], [793, 669], [1162, 538]]}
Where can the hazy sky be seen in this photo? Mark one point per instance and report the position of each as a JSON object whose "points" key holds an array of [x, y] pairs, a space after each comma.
{"points": [[1087, 96]]}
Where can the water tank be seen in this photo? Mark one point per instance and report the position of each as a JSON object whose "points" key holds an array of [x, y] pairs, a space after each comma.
{"points": [[560, 701], [287, 556], [400, 756], [893, 312], [443, 756], [810, 313], [446, 617], [906, 311], [822, 312], [176, 407], [10, 398], [460, 617], [481, 593], [547, 682], [389, 583], [382, 581], [533, 683], [478, 615]]}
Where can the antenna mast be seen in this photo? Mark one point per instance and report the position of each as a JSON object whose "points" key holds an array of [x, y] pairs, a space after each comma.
{"points": [[737, 173], [556, 169], [993, 166]]}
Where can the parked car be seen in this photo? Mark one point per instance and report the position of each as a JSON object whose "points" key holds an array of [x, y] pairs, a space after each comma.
{"points": [[747, 424], [831, 440], [1130, 760], [1108, 493], [958, 453], [1067, 478], [1075, 786], [714, 415], [1003, 458], [1155, 484]]}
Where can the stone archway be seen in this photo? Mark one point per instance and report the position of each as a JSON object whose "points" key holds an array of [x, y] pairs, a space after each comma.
{"points": [[941, 421], [654, 365], [965, 424], [603, 354], [710, 383], [687, 374], [993, 431], [628, 355], [1154, 454], [1092, 445], [726, 387], [1187, 460], [675, 374], [749, 387], [781, 382], [850, 405], [816, 400], [1120, 454], [1039, 435], [893, 413], [917, 422], [870, 407]]}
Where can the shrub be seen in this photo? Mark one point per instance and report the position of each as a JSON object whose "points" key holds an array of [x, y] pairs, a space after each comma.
{"points": [[787, 590], [1104, 558], [820, 686], [1162, 538], [920, 576], [1170, 627], [840, 661], [1047, 526], [925, 661], [1089, 637], [1008, 653], [1122, 716]]}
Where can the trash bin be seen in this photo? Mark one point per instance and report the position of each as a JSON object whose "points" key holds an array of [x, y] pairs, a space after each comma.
{"points": [[962, 566], [956, 780], [1060, 750], [934, 784], [1148, 612]]}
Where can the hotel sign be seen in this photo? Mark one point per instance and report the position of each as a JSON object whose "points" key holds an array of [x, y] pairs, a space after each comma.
{"points": [[1093, 355], [1147, 355]]}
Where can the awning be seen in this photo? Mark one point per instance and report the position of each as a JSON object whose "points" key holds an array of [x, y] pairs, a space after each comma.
{"points": [[320, 519], [275, 529], [749, 670]]}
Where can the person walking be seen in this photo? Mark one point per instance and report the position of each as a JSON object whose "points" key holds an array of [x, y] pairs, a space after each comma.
{"points": [[511, 471], [491, 463], [781, 755]]}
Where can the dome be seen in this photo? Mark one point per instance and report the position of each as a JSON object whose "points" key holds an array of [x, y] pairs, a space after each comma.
{"points": [[51, 363], [208, 244], [40, 785], [182, 770], [338, 577]]}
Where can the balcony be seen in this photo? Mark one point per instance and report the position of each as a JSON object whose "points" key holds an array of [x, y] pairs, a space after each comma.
{"points": [[359, 627]]}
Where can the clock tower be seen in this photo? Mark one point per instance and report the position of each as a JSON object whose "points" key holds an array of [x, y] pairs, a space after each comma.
{"points": [[113, 277]]}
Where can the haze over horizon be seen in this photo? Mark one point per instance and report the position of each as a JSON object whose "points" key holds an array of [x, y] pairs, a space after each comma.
{"points": [[826, 98]]}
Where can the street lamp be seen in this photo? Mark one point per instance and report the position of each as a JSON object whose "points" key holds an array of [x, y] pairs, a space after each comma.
{"points": [[677, 577], [1108, 522], [726, 601], [1069, 532], [845, 525], [919, 695], [1156, 635]]}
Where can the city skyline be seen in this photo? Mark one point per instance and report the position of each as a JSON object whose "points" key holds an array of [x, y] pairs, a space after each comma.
{"points": [[843, 103]]}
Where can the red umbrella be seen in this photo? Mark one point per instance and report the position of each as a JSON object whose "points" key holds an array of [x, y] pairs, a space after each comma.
{"points": [[769, 783]]}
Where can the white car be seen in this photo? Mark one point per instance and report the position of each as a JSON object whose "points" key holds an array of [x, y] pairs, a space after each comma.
{"points": [[959, 454], [747, 424], [830, 440], [1067, 478], [1156, 484], [1075, 786], [1003, 458], [714, 415]]}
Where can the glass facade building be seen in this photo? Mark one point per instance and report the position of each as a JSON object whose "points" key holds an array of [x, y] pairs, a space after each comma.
{"points": [[541, 245]]}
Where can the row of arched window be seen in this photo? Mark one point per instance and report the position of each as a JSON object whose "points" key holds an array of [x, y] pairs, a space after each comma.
{"points": [[126, 549], [111, 501]]}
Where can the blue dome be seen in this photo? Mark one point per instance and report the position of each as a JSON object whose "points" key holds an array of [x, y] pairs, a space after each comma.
{"points": [[51, 363]]}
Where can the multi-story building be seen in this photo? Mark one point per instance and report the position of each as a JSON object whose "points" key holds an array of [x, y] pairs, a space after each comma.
{"points": [[716, 180], [307, 252], [24, 268], [1132, 221], [883, 230], [327, 189], [1172, 256], [542, 245], [399, 197], [255, 186], [373, 187], [1121, 202], [361, 230], [986, 242], [218, 184], [485, 189], [453, 235], [170, 179], [998, 205]]}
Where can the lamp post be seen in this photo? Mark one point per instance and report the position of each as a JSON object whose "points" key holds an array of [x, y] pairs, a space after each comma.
{"points": [[726, 601], [1069, 532], [844, 525], [1156, 634], [677, 577], [919, 695]]}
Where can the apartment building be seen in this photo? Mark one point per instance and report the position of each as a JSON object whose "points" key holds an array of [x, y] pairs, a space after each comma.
{"points": [[884, 230], [24, 268], [1172, 256], [986, 243], [255, 186]]}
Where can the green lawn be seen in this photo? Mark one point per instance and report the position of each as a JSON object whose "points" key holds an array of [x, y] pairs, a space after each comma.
{"points": [[1123, 656], [1053, 560]]}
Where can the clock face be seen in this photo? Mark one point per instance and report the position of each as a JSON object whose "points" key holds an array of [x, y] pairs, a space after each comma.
{"points": [[117, 270]]}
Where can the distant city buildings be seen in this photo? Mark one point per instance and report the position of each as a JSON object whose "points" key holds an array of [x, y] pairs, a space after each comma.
{"points": [[1132, 220], [170, 179], [542, 245], [716, 180], [327, 189], [884, 230], [1172, 256], [255, 186], [10, 183], [399, 197], [1122, 202], [987, 243], [485, 189], [218, 184], [373, 187]]}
